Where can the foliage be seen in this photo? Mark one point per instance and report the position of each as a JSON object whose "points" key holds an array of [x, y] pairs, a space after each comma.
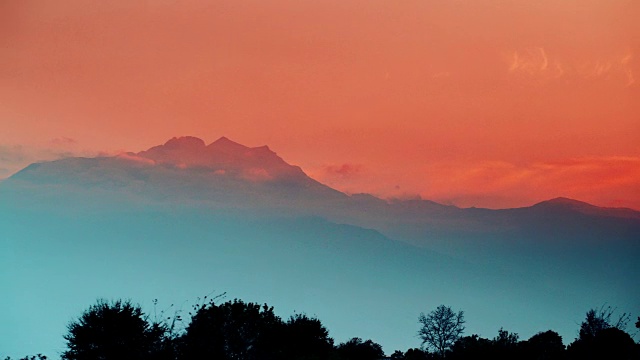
{"points": [[610, 343], [473, 346], [232, 330], [305, 337], [505, 345], [32, 357], [236, 330], [441, 328], [600, 319], [356, 349], [417, 354], [602, 335], [544, 346], [117, 330]]}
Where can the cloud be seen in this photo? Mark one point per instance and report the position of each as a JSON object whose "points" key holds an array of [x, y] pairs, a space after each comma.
{"points": [[12, 154], [533, 61], [537, 63], [343, 170], [63, 141], [625, 61], [130, 157], [347, 177], [13, 158]]}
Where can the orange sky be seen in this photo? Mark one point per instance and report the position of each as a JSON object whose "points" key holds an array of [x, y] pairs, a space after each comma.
{"points": [[476, 103]]}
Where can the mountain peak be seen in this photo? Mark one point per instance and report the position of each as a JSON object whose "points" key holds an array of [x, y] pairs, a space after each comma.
{"points": [[191, 142], [225, 144], [566, 201], [560, 203], [224, 156]]}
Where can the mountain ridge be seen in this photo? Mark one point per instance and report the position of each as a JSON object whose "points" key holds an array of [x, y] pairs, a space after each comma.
{"points": [[225, 157]]}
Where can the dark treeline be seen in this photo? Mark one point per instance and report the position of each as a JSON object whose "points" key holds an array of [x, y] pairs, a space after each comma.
{"points": [[236, 330]]}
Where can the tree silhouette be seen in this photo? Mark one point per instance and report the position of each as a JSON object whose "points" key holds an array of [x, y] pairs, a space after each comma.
{"points": [[117, 331], [603, 336], [356, 349], [417, 354], [304, 337], [32, 357], [544, 346], [600, 319], [611, 343], [232, 330], [441, 328], [471, 347], [505, 345]]}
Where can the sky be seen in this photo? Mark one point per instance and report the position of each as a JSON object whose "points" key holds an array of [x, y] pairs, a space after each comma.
{"points": [[486, 103]]}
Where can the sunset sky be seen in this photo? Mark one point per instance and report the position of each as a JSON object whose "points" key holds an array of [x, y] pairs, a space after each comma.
{"points": [[487, 103]]}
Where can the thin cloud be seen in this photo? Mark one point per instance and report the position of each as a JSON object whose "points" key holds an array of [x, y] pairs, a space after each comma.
{"points": [[529, 60], [345, 170], [63, 141], [13, 158], [13, 154], [537, 63], [130, 157]]}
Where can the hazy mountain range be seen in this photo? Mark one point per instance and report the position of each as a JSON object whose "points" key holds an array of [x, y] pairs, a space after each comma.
{"points": [[183, 219]]}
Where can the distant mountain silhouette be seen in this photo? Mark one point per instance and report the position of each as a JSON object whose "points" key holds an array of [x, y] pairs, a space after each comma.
{"points": [[186, 166], [564, 204], [224, 157], [186, 216]]}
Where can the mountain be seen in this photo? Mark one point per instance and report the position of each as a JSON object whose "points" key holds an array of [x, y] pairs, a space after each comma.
{"points": [[182, 219], [182, 170], [224, 157]]}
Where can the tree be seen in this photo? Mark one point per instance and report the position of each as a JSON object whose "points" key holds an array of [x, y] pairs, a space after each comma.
{"points": [[441, 328], [32, 357], [305, 337], [638, 323], [600, 319], [602, 335], [472, 347], [232, 330], [356, 349], [505, 345], [544, 346], [610, 343], [117, 331], [417, 354]]}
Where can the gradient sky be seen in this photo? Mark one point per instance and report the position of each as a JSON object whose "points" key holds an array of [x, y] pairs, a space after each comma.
{"points": [[476, 103]]}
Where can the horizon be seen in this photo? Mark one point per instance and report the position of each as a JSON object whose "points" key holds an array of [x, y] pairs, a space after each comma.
{"points": [[486, 104], [387, 198]]}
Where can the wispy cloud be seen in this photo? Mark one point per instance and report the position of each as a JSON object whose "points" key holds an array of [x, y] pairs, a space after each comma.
{"points": [[13, 158], [533, 61], [343, 170], [63, 141], [130, 157], [538, 63]]}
